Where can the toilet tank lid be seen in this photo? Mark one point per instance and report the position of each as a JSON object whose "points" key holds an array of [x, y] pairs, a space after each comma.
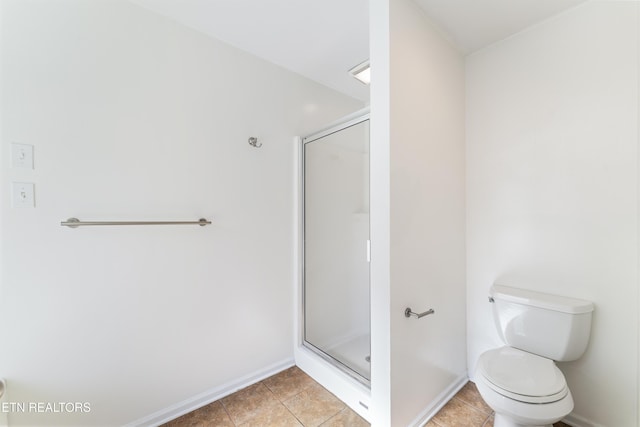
{"points": [[541, 300]]}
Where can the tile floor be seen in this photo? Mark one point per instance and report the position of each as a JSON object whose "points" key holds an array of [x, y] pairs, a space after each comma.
{"points": [[467, 409], [292, 398]]}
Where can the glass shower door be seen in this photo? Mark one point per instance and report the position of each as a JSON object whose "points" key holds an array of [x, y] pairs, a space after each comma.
{"points": [[336, 246]]}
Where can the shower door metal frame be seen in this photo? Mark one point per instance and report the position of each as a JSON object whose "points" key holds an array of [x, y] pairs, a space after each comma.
{"points": [[352, 120]]}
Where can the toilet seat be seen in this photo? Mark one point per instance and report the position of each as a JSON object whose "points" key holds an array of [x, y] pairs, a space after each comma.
{"points": [[522, 376]]}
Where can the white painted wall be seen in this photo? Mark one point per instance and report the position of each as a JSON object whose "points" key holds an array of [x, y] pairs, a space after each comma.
{"points": [[424, 156], [133, 116], [427, 214], [552, 202], [380, 198]]}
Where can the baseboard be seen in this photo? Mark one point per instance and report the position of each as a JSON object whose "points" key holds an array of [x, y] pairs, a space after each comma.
{"points": [[441, 400], [165, 415], [578, 421]]}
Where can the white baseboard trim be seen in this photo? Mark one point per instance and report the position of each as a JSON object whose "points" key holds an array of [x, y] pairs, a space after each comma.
{"points": [[578, 421], [441, 400], [165, 415]]}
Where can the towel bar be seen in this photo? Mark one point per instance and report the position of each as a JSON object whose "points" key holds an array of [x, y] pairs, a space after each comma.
{"points": [[75, 222]]}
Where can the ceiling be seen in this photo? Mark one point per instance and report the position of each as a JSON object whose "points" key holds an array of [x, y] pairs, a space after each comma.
{"points": [[322, 40], [474, 24]]}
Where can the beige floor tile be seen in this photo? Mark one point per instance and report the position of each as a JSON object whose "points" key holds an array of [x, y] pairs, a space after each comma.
{"points": [[248, 403], [278, 416], [489, 422], [458, 414], [288, 383], [215, 413], [346, 418], [470, 395], [292, 398], [314, 405], [189, 420]]}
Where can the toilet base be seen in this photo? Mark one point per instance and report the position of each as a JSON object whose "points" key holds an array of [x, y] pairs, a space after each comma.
{"points": [[503, 421], [512, 413]]}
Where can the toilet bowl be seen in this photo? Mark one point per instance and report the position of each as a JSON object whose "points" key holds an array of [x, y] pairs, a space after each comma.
{"points": [[522, 388], [521, 381]]}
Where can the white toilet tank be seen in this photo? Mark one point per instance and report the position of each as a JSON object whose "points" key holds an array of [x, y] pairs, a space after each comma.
{"points": [[550, 326]]}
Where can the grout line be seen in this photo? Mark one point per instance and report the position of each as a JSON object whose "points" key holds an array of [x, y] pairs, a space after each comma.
{"points": [[227, 412], [224, 408], [272, 392], [333, 416], [471, 406], [293, 415], [486, 422]]}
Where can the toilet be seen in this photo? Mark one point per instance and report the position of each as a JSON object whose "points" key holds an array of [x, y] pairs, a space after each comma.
{"points": [[521, 381]]}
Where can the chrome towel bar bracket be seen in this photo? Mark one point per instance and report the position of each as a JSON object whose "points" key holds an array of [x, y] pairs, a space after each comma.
{"points": [[409, 313], [75, 222]]}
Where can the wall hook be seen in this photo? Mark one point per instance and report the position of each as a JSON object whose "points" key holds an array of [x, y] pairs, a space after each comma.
{"points": [[253, 141]]}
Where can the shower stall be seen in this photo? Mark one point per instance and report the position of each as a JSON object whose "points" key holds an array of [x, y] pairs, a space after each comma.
{"points": [[335, 248]]}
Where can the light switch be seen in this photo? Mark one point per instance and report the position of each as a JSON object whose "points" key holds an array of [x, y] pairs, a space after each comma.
{"points": [[23, 195], [22, 156]]}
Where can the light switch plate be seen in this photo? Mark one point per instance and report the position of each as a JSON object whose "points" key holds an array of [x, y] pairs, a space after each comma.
{"points": [[22, 156], [23, 195]]}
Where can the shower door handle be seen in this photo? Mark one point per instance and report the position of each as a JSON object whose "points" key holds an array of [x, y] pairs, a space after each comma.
{"points": [[368, 250]]}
